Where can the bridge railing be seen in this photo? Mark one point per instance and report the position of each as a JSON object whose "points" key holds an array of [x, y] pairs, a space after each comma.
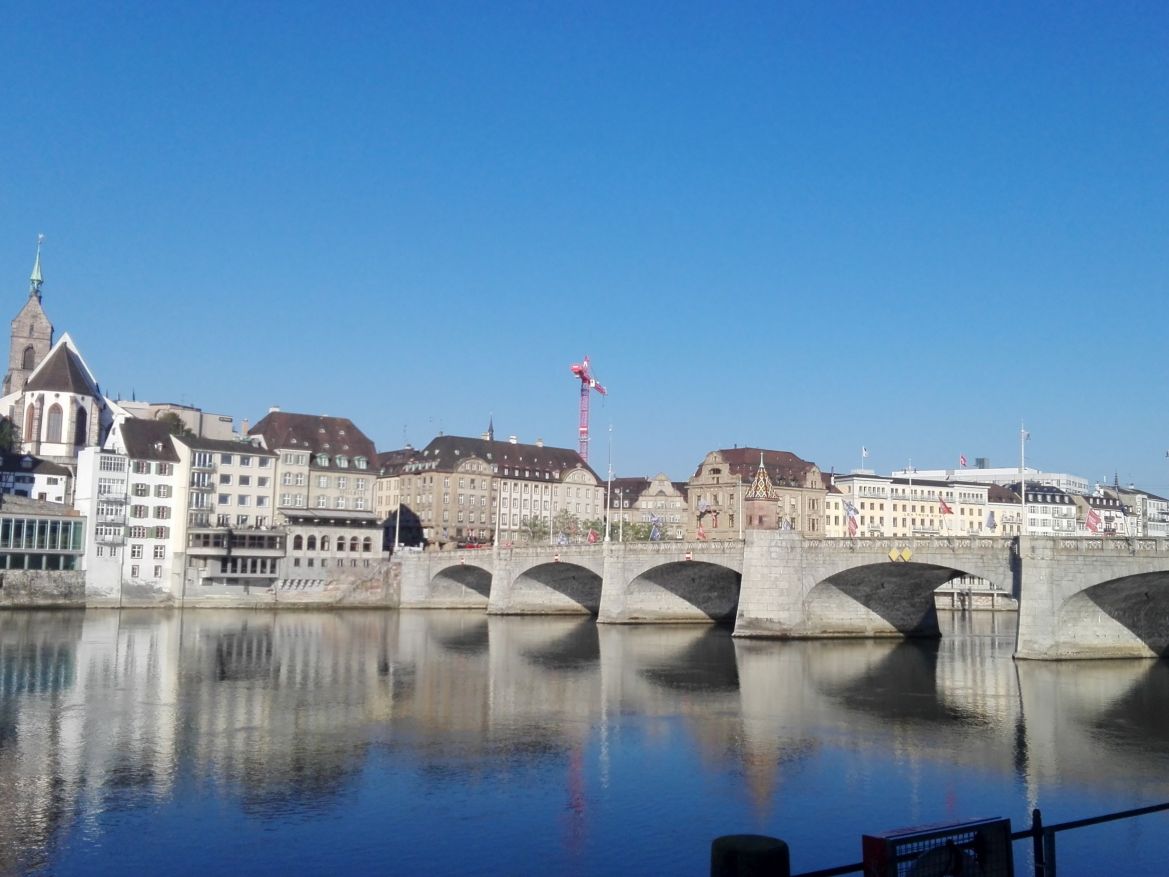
{"points": [[740, 855]]}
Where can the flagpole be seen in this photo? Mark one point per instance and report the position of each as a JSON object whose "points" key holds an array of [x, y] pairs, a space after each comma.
{"points": [[609, 489], [1023, 478]]}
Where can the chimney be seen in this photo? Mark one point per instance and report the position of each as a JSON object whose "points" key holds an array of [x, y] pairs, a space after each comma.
{"points": [[243, 426], [513, 439], [274, 409], [539, 443]]}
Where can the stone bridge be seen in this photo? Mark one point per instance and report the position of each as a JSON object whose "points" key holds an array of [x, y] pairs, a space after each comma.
{"points": [[1078, 597]]}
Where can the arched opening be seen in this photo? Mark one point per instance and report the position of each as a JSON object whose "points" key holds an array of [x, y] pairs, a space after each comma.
{"points": [[29, 421], [53, 423], [28, 359], [683, 591], [324, 543], [81, 428], [312, 543], [366, 544], [298, 543], [353, 544]]}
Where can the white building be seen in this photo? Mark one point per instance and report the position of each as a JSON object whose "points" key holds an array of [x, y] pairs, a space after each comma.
{"points": [[1003, 476]]}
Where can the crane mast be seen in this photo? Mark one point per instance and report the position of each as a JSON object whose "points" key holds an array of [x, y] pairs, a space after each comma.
{"points": [[588, 383]]}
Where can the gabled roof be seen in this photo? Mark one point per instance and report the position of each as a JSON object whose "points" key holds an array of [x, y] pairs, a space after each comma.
{"points": [[445, 452], [63, 371], [227, 446], [314, 433], [783, 467], [391, 462], [29, 463], [147, 440]]}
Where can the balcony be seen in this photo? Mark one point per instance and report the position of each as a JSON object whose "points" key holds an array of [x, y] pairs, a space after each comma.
{"points": [[112, 498], [206, 486], [110, 539], [111, 519]]}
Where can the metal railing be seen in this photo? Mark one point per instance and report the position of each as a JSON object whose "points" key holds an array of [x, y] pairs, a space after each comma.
{"points": [[1042, 839]]}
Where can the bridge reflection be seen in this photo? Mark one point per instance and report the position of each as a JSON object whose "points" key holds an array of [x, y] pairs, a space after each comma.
{"points": [[283, 706]]}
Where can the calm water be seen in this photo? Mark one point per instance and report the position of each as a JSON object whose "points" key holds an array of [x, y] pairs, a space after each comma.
{"points": [[453, 743]]}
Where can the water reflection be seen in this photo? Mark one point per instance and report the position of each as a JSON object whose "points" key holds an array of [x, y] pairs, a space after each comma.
{"points": [[498, 723]]}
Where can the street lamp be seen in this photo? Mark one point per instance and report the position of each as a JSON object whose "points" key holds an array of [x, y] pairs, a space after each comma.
{"points": [[621, 512]]}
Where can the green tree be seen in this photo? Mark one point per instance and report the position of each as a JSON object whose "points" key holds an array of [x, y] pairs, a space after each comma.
{"points": [[638, 532], [535, 530], [174, 425], [567, 523], [8, 438]]}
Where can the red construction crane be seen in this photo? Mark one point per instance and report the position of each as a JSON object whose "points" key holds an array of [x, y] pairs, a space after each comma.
{"points": [[587, 382]]}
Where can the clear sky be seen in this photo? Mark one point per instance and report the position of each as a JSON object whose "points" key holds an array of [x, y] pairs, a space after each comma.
{"points": [[805, 226]]}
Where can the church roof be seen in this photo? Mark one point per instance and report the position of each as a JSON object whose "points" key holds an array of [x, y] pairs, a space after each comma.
{"points": [[62, 372]]}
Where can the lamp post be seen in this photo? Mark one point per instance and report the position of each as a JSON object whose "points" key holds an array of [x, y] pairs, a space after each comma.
{"points": [[621, 512], [609, 488]]}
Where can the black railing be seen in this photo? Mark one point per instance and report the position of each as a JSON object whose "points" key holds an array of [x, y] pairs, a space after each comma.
{"points": [[751, 854]]}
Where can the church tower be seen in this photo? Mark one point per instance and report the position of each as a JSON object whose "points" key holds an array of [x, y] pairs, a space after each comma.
{"points": [[32, 333]]}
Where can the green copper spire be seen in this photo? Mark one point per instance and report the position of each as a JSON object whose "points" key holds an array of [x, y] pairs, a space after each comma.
{"points": [[35, 280]]}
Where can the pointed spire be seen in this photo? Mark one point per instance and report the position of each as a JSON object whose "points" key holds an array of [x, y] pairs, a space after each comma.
{"points": [[491, 427], [35, 280], [761, 487]]}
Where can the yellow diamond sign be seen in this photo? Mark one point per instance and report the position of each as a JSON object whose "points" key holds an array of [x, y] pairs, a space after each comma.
{"points": [[906, 554], [894, 555]]}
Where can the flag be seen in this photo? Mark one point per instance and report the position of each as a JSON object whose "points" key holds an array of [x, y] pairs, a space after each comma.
{"points": [[851, 526], [592, 536], [1093, 521], [991, 524], [945, 510], [850, 512], [864, 453], [962, 460], [655, 530], [701, 532]]}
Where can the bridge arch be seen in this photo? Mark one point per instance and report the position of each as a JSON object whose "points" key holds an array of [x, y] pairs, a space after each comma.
{"points": [[1126, 616], [460, 586], [682, 591], [552, 588], [878, 599]]}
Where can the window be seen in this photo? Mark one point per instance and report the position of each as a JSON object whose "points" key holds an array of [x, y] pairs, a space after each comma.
{"points": [[322, 502], [324, 543], [298, 543], [262, 502], [140, 467], [159, 552], [141, 490], [241, 520], [224, 498], [224, 478], [311, 543], [322, 481], [138, 511], [360, 462], [340, 502], [227, 459], [134, 571], [162, 512], [342, 462], [161, 532], [265, 462], [262, 481], [162, 491], [341, 482], [245, 460], [322, 459], [245, 481], [136, 551], [165, 468], [137, 532], [243, 499]]}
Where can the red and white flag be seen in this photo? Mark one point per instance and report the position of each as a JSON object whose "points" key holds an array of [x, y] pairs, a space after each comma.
{"points": [[592, 535], [946, 510], [701, 532], [1093, 521], [962, 460], [851, 525]]}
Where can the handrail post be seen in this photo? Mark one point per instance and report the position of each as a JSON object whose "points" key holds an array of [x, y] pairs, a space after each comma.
{"points": [[1037, 845]]}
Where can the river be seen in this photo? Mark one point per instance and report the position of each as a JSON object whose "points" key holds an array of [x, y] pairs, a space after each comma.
{"points": [[380, 742]]}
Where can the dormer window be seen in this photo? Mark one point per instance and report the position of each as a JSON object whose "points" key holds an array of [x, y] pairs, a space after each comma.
{"points": [[342, 462], [360, 462], [322, 459]]}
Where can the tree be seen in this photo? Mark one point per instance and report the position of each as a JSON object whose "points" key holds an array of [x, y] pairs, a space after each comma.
{"points": [[174, 425], [536, 529], [565, 522], [8, 438]]}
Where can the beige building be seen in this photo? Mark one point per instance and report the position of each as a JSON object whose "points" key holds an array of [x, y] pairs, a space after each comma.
{"points": [[738, 489], [324, 483], [647, 502], [889, 506], [468, 490]]}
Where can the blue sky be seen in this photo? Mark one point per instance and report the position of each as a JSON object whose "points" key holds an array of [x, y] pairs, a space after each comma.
{"points": [[807, 226]]}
